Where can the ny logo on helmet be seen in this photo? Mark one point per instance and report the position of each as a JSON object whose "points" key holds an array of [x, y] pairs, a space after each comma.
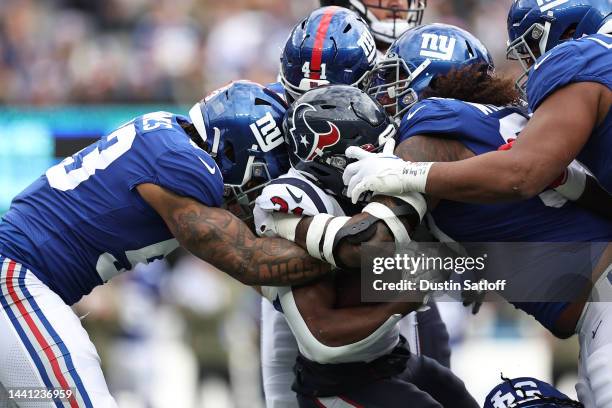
{"points": [[308, 142], [437, 46], [368, 45], [546, 5], [267, 133]]}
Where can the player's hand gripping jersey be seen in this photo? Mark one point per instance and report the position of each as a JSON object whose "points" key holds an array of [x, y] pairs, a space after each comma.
{"points": [[588, 59], [83, 222], [545, 218]]}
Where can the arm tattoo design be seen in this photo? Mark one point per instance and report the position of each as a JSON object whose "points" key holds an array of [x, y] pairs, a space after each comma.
{"points": [[218, 237]]}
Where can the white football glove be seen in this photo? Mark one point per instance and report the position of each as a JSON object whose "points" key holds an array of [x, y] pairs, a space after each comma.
{"points": [[275, 224], [383, 173], [264, 222]]}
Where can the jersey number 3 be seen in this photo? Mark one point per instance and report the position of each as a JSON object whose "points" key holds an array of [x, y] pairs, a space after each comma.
{"points": [[74, 170]]}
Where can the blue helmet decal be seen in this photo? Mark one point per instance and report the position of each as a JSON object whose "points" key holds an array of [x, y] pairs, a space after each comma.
{"points": [[243, 133], [417, 57], [333, 45], [537, 26], [527, 392]]}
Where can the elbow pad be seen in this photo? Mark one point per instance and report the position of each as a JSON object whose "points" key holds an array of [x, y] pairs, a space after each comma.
{"points": [[379, 343]]}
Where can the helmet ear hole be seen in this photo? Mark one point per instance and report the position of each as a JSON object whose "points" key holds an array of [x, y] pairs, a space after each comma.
{"points": [[569, 33], [259, 102], [347, 28]]}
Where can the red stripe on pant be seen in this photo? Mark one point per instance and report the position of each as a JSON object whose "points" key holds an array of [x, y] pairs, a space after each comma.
{"points": [[37, 334], [317, 50]]}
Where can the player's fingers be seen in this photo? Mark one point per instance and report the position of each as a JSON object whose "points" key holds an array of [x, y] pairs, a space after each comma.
{"points": [[349, 172], [356, 178], [359, 189], [351, 183], [389, 147], [358, 153]]}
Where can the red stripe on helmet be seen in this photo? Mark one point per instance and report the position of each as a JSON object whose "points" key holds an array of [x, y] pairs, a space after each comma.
{"points": [[317, 50]]}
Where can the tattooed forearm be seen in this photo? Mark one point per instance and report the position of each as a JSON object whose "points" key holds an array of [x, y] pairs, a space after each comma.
{"points": [[221, 239], [429, 148]]}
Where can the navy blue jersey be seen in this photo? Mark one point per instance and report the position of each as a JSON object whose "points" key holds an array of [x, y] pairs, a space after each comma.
{"points": [[546, 218], [83, 222], [588, 59]]}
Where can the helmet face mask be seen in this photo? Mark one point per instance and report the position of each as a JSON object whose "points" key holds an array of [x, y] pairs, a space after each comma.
{"points": [[535, 27], [526, 49], [240, 199], [390, 84], [408, 14]]}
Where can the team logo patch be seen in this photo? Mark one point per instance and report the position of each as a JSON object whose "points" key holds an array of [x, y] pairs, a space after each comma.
{"points": [[438, 46], [546, 5], [267, 133], [368, 45], [308, 142]]}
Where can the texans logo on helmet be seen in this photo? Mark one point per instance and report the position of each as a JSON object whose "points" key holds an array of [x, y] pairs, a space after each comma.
{"points": [[309, 143]]}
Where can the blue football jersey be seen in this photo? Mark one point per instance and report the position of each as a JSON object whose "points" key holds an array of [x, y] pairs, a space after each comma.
{"points": [[546, 218], [588, 59], [83, 222]]}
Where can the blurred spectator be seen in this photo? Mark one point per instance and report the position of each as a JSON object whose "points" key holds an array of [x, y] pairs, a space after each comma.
{"points": [[160, 51]]}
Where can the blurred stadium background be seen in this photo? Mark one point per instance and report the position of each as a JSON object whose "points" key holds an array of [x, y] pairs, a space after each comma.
{"points": [[178, 333]]}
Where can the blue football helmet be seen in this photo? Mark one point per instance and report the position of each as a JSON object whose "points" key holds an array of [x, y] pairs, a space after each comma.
{"points": [[401, 16], [332, 45], [241, 126], [526, 392], [536, 26], [417, 57]]}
